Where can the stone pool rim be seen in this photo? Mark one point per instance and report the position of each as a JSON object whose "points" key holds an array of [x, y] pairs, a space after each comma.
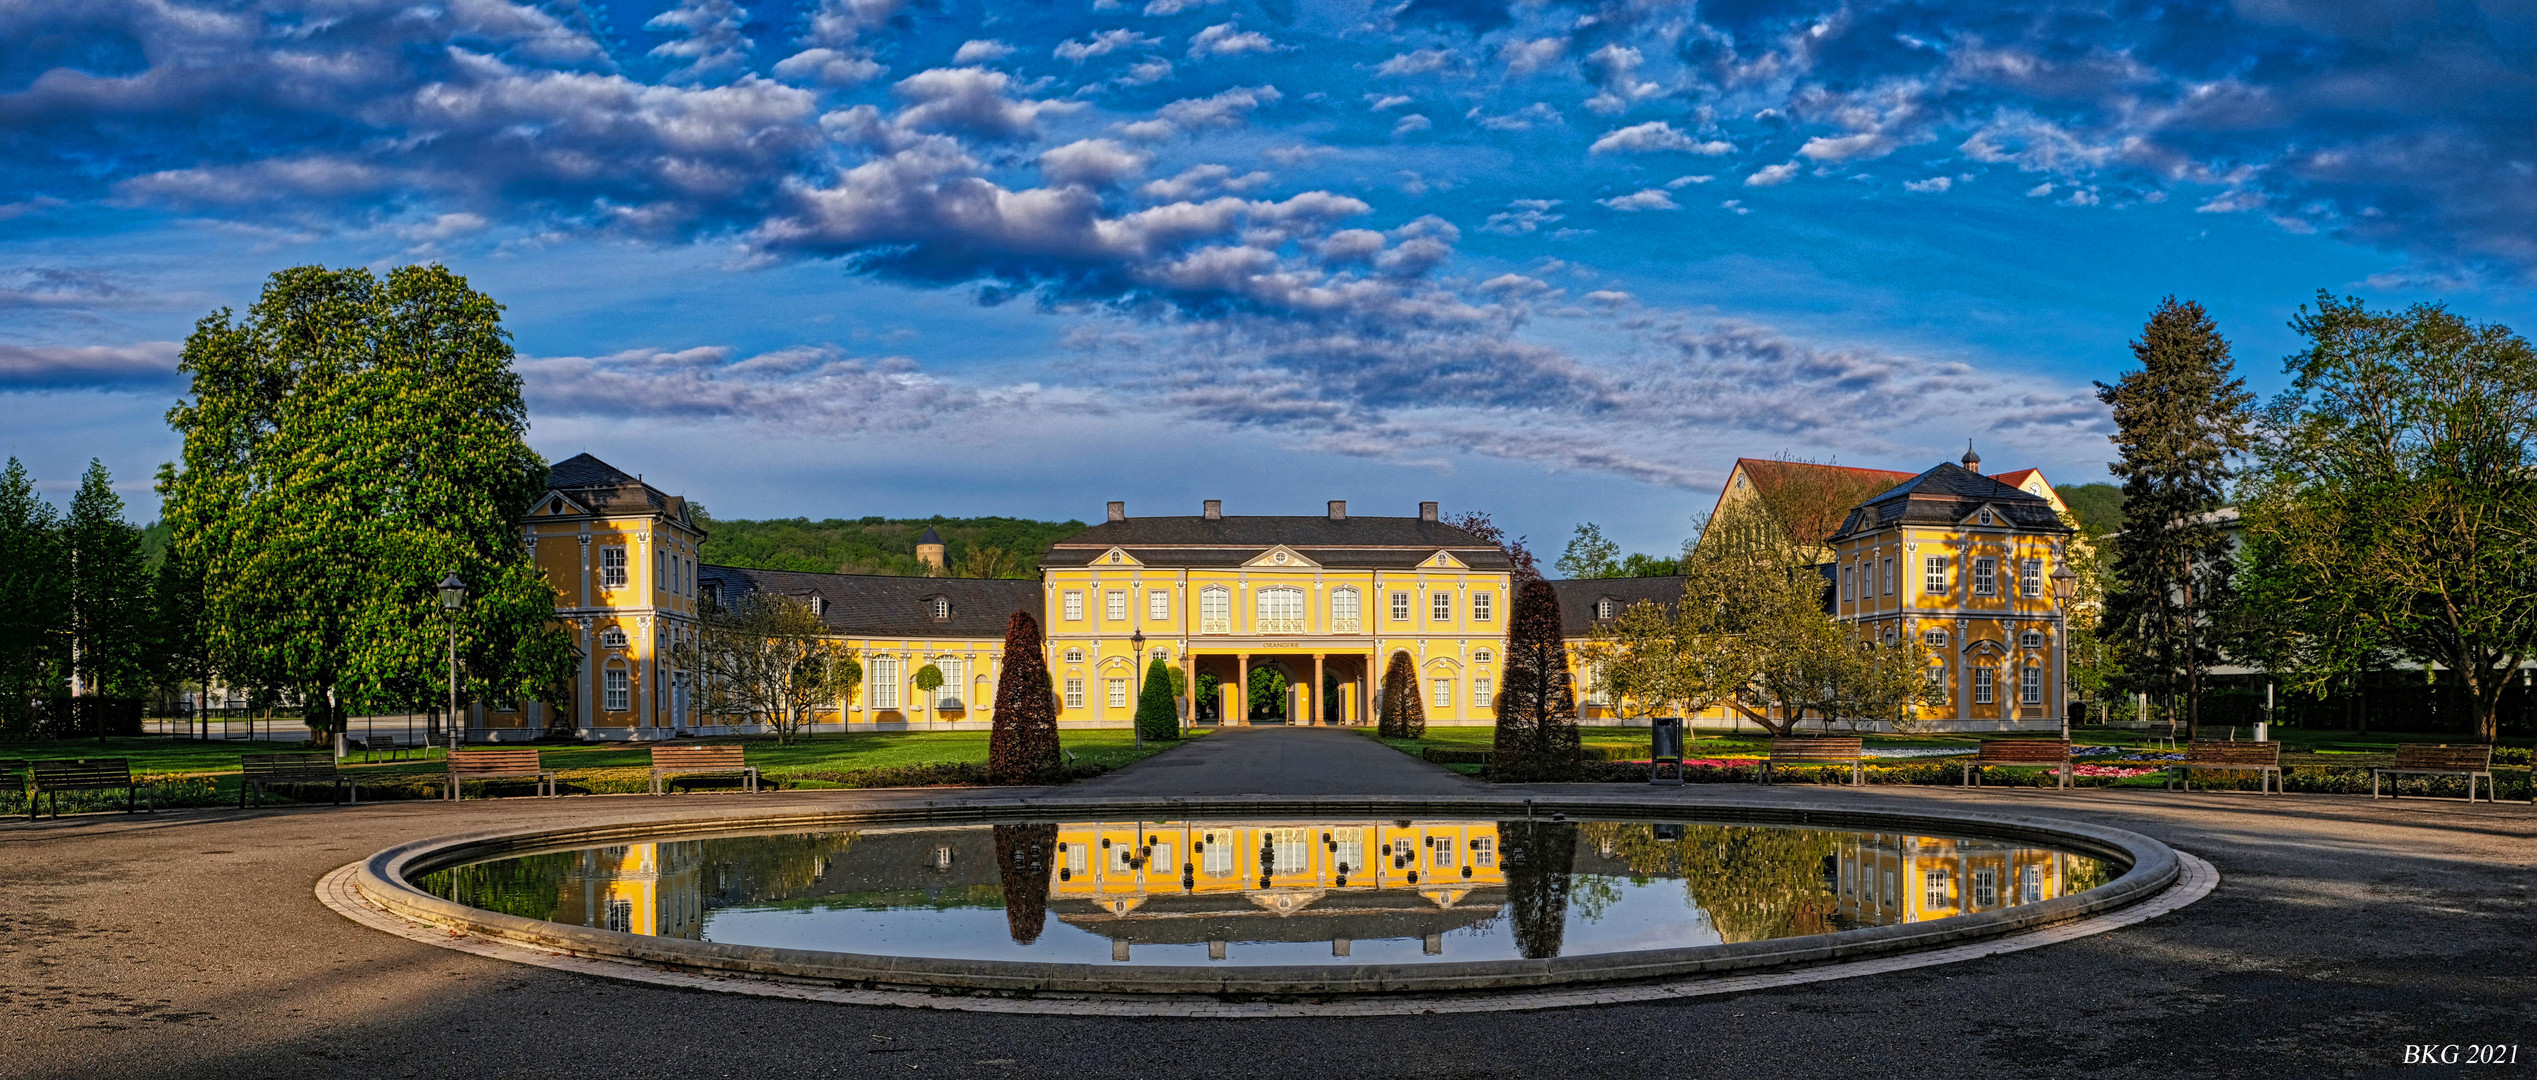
{"points": [[384, 879]]}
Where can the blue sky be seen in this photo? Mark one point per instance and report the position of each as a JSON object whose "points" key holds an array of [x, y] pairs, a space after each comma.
{"points": [[1557, 261]]}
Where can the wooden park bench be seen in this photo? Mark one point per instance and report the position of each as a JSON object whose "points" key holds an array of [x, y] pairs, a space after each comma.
{"points": [[669, 761], [2211, 755], [13, 774], [2048, 753], [2420, 760], [500, 764], [259, 771], [388, 744], [101, 774], [1819, 751]]}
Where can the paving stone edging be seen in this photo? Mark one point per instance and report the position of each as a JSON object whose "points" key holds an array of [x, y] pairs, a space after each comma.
{"points": [[382, 880]]}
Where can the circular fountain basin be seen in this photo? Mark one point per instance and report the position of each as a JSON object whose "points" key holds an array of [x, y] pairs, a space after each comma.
{"points": [[1268, 897]]}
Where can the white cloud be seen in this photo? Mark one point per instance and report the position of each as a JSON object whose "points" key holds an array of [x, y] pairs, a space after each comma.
{"points": [[1092, 163], [1206, 179], [1523, 216], [974, 101], [1227, 39], [1655, 136], [1772, 175], [1411, 124], [981, 52], [1648, 199], [1150, 70], [2232, 202], [1520, 120], [1933, 184], [1101, 44], [1526, 57], [1227, 109], [1679, 181], [713, 43], [1616, 73], [828, 67], [1421, 62], [1380, 102], [2040, 190], [1175, 7], [1609, 297]]}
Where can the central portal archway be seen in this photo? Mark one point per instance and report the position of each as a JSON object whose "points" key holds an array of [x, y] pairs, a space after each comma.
{"points": [[1271, 692]]}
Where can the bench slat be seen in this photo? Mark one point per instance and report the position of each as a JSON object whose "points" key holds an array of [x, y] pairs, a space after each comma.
{"points": [[699, 757], [2459, 758], [73, 775]]}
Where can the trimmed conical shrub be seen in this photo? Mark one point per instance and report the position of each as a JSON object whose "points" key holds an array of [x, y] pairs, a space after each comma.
{"points": [[1537, 708], [1404, 715], [1156, 715], [1023, 747]]}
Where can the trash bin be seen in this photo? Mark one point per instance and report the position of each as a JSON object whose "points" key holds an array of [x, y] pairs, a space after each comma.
{"points": [[1665, 744]]}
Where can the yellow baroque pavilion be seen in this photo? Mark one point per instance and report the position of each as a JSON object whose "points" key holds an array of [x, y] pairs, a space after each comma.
{"points": [[1324, 600]]}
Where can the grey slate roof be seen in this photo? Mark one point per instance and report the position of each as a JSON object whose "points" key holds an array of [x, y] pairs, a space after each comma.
{"points": [[1355, 542], [880, 605], [606, 489], [1577, 598], [930, 537], [1946, 495]]}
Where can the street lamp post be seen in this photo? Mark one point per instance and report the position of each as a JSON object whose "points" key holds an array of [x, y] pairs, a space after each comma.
{"points": [[453, 595], [1136, 645], [2065, 586]]}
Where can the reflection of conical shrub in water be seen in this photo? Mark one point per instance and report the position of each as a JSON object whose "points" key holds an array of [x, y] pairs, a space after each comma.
{"points": [[1403, 715], [1023, 855], [1539, 856]]}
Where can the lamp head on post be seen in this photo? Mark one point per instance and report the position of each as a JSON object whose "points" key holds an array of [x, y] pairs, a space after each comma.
{"points": [[453, 593]]}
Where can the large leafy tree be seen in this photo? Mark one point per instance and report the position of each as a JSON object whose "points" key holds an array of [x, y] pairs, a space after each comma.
{"points": [[32, 608], [348, 442], [1022, 747], [2395, 508], [2179, 418], [769, 659], [1536, 707], [109, 591]]}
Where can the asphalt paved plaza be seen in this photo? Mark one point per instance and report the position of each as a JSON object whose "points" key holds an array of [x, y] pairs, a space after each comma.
{"points": [[190, 944]]}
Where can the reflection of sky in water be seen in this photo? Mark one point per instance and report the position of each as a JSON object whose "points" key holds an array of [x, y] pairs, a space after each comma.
{"points": [[1655, 915]]}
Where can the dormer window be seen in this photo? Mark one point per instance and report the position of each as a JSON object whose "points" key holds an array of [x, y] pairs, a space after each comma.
{"points": [[1987, 519], [1116, 557], [818, 604], [1606, 608], [939, 607]]}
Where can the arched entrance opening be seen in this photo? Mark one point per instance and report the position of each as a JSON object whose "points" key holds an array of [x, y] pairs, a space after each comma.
{"points": [[1272, 693]]}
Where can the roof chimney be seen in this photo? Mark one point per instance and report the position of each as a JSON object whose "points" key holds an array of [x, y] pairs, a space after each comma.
{"points": [[1427, 511], [1972, 461], [1118, 510], [1215, 509], [1338, 509]]}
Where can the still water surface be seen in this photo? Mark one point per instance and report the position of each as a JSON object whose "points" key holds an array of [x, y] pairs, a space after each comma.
{"points": [[1269, 892]]}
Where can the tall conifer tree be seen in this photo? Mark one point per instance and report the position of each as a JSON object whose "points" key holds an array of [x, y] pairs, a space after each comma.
{"points": [[2178, 418], [31, 606], [1022, 747], [109, 591], [1537, 708], [1403, 715], [1156, 715]]}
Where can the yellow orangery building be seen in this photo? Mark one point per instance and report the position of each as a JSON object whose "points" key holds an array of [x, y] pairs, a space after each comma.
{"points": [[1324, 601]]}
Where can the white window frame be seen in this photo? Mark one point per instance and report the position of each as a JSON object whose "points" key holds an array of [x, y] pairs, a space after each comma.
{"points": [[1215, 610], [949, 693], [1074, 654], [1217, 858], [2030, 577], [1986, 888], [617, 689], [1073, 605], [1849, 583], [1483, 692], [612, 564], [1441, 854], [1934, 638], [1484, 851], [885, 682], [2030, 685], [1483, 656], [1985, 683], [941, 607], [1114, 605], [1443, 689], [1483, 606], [1400, 607], [1074, 692], [1440, 606], [1890, 575], [1347, 611], [1280, 610], [2031, 884], [1158, 604], [1934, 576], [2032, 639], [1986, 577], [1934, 890], [1118, 693]]}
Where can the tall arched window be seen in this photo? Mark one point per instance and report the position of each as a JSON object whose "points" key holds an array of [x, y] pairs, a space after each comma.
{"points": [[1215, 610], [1346, 611], [948, 697], [884, 674], [1281, 611]]}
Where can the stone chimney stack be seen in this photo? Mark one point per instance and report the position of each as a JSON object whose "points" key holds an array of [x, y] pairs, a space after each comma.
{"points": [[1215, 509], [1338, 509], [1427, 511], [1118, 510]]}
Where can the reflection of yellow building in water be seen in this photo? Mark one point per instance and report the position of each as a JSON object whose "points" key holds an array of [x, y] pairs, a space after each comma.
{"points": [[1222, 882], [647, 889], [1887, 879]]}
